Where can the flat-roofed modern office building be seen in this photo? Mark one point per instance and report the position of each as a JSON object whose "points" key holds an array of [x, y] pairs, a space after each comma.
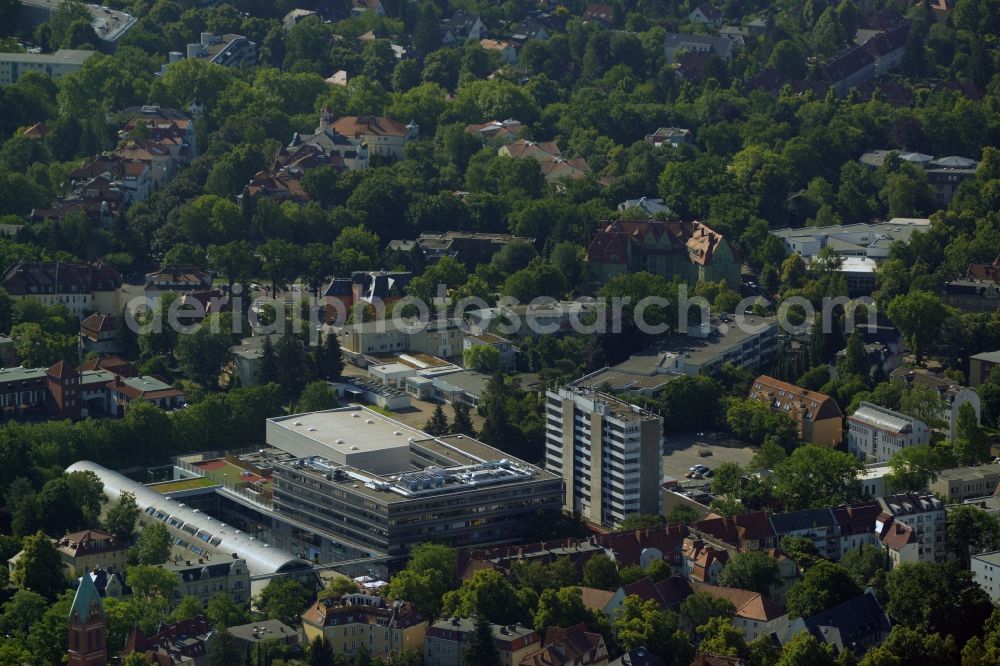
{"points": [[366, 482]]}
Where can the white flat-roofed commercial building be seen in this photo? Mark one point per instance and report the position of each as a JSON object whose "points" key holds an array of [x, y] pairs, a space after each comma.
{"points": [[607, 452], [442, 338], [370, 483], [875, 433], [352, 436], [853, 240], [54, 65], [986, 572]]}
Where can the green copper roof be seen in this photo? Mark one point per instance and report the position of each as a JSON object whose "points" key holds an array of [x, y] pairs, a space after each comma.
{"points": [[86, 596]]}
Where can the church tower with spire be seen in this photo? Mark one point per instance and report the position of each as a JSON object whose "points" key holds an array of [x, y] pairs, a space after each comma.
{"points": [[88, 630]]}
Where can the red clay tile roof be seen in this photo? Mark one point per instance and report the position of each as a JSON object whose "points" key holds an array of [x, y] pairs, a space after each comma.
{"points": [[750, 605], [737, 530], [357, 126], [700, 240], [61, 370], [857, 518], [629, 546], [988, 272], [96, 324], [570, 645], [897, 535], [599, 12], [114, 364], [794, 400], [596, 599]]}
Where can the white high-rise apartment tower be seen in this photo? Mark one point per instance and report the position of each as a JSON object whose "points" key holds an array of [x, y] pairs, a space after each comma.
{"points": [[608, 453]]}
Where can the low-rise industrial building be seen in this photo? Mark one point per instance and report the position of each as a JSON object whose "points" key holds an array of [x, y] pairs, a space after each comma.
{"points": [[851, 240]]}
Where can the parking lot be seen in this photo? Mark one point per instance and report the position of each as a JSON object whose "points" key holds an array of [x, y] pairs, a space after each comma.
{"points": [[681, 452]]}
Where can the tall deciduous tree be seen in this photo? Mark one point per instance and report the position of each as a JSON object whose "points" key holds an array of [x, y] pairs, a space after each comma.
{"points": [[154, 544], [120, 519], [971, 445], [283, 599], [462, 421], [600, 572], [919, 315], [822, 587], [971, 531], [39, 568], [646, 624], [751, 570]]}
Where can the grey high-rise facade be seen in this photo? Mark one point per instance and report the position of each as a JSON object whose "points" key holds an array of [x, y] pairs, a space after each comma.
{"points": [[608, 453]]}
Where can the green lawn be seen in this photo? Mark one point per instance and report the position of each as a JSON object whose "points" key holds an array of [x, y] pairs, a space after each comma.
{"points": [[183, 484]]}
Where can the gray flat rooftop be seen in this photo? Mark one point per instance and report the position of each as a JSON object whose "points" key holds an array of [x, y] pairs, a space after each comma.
{"points": [[962, 473], [621, 381], [898, 224], [262, 631], [990, 558], [440, 465], [989, 357], [699, 351], [20, 374], [470, 381], [349, 429], [62, 56]]}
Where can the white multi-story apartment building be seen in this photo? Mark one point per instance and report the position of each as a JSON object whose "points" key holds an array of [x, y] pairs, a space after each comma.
{"points": [[55, 65], [924, 514], [875, 433], [607, 452], [227, 50], [986, 572]]}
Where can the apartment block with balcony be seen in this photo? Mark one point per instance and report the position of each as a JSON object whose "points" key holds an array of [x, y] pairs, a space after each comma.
{"points": [[923, 514], [607, 452]]}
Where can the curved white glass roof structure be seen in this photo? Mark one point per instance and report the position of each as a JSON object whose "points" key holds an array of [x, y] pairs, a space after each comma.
{"points": [[261, 558]]}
